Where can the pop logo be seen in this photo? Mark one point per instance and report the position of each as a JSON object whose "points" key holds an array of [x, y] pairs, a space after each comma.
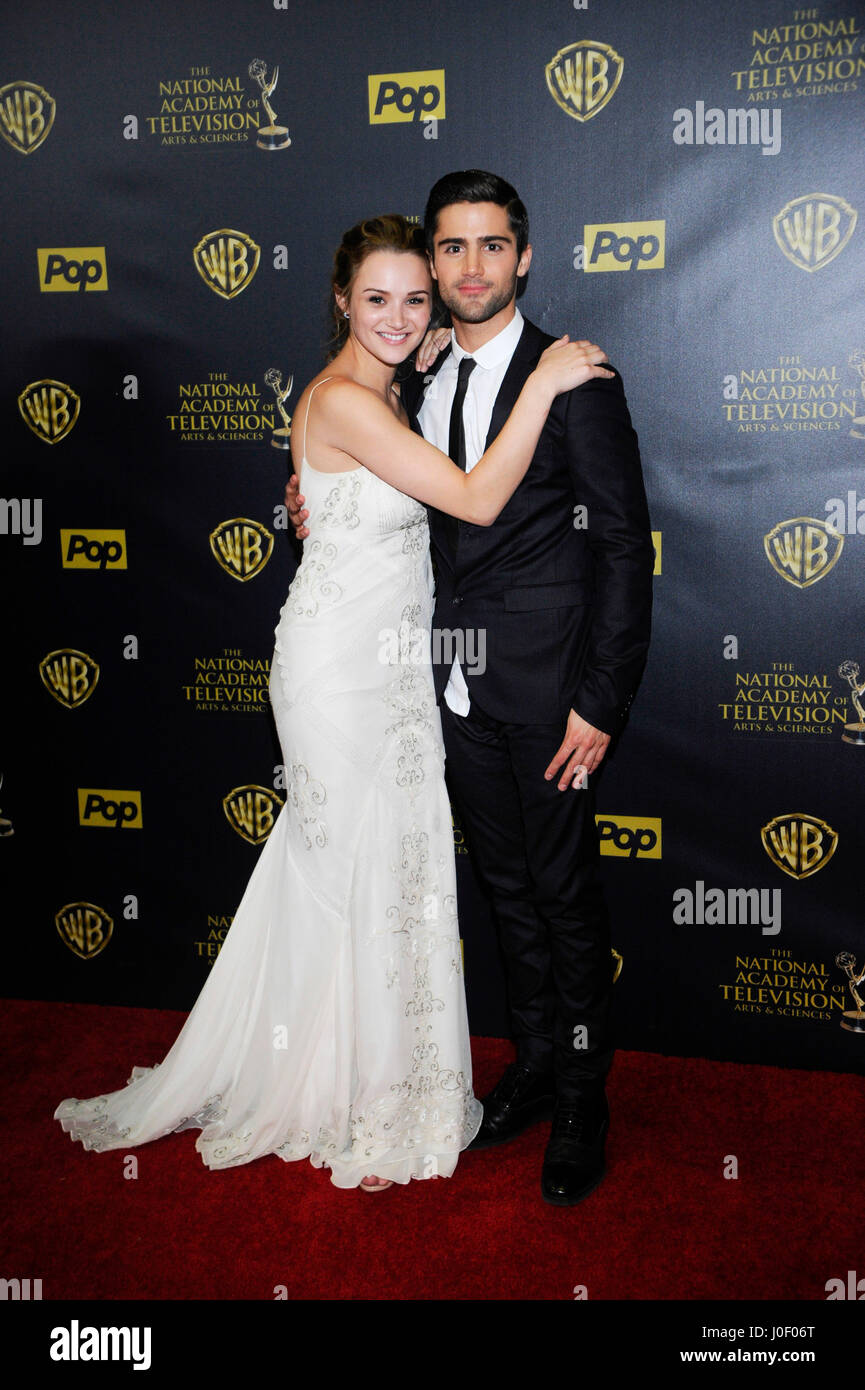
{"points": [[93, 550], [406, 96], [73, 268], [625, 246], [630, 837], [109, 810]]}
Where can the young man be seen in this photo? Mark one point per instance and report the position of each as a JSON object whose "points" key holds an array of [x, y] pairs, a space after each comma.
{"points": [[560, 588]]}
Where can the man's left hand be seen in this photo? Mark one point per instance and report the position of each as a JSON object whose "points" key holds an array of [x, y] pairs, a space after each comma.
{"points": [[581, 752], [297, 514]]}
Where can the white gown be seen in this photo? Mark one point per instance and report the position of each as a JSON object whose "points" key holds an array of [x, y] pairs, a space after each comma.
{"points": [[333, 1024]]}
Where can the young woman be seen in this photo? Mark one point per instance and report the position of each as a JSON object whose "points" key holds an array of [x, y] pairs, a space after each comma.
{"points": [[332, 1025]]}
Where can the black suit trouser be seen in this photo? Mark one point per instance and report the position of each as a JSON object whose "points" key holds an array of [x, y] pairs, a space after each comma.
{"points": [[535, 851]]}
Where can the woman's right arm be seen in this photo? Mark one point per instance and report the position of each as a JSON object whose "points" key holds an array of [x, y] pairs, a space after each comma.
{"points": [[354, 420]]}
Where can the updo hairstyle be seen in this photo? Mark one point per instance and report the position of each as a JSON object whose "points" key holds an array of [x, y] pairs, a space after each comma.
{"points": [[391, 232]]}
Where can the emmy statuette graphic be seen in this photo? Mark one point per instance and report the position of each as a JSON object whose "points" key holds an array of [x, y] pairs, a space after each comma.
{"points": [[6, 826], [273, 379], [854, 1019], [857, 362], [854, 733], [273, 136]]}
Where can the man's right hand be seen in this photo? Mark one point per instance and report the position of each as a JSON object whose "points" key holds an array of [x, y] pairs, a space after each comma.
{"points": [[435, 342], [565, 365], [296, 513]]}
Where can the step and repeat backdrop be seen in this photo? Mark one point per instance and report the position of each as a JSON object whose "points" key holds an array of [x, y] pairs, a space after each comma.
{"points": [[175, 177]]}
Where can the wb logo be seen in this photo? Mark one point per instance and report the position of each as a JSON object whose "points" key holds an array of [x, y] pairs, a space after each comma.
{"points": [[813, 230], [799, 844], [69, 676], [803, 549], [109, 810], [50, 409], [406, 96], [630, 837], [93, 550], [26, 115], [625, 246], [252, 811], [226, 261], [85, 928], [73, 268], [583, 77], [242, 547]]}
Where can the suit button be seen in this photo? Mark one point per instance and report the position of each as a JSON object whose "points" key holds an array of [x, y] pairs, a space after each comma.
{"points": [[457, 599]]}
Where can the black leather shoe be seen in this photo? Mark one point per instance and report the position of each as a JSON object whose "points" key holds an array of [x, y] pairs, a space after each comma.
{"points": [[574, 1161], [521, 1098]]}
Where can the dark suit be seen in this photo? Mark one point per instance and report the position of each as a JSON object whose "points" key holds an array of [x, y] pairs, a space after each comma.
{"points": [[564, 600]]}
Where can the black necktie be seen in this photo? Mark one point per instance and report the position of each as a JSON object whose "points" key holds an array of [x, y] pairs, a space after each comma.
{"points": [[457, 434], [456, 429]]}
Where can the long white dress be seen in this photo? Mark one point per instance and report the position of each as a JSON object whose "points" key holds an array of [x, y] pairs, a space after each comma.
{"points": [[333, 1025]]}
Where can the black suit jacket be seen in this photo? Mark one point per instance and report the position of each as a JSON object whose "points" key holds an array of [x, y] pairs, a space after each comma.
{"points": [[565, 608]]}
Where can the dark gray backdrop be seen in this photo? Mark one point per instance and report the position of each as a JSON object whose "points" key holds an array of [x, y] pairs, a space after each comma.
{"points": [[729, 313]]}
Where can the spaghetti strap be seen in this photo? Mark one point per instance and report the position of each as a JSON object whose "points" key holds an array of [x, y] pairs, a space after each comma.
{"points": [[308, 408]]}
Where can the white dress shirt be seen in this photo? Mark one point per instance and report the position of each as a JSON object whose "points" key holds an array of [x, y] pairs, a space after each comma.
{"points": [[493, 360]]}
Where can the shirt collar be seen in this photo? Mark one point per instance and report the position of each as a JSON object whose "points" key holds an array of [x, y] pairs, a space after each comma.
{"points": [[494, 352]]}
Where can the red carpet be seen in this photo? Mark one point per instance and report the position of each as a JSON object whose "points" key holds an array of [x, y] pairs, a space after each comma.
{"points": [[665, 1224]]}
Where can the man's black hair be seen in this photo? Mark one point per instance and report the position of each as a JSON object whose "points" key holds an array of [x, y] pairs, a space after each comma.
{"points": [[477, 186]]}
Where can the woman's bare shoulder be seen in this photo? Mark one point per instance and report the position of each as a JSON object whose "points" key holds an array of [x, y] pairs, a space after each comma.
{"points": [[341, 395], [320, 382]]}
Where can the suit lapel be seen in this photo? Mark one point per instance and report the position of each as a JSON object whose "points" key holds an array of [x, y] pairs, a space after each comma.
{"points": [[529, 348], [526, 353], [411, 393], [412, 398]]}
